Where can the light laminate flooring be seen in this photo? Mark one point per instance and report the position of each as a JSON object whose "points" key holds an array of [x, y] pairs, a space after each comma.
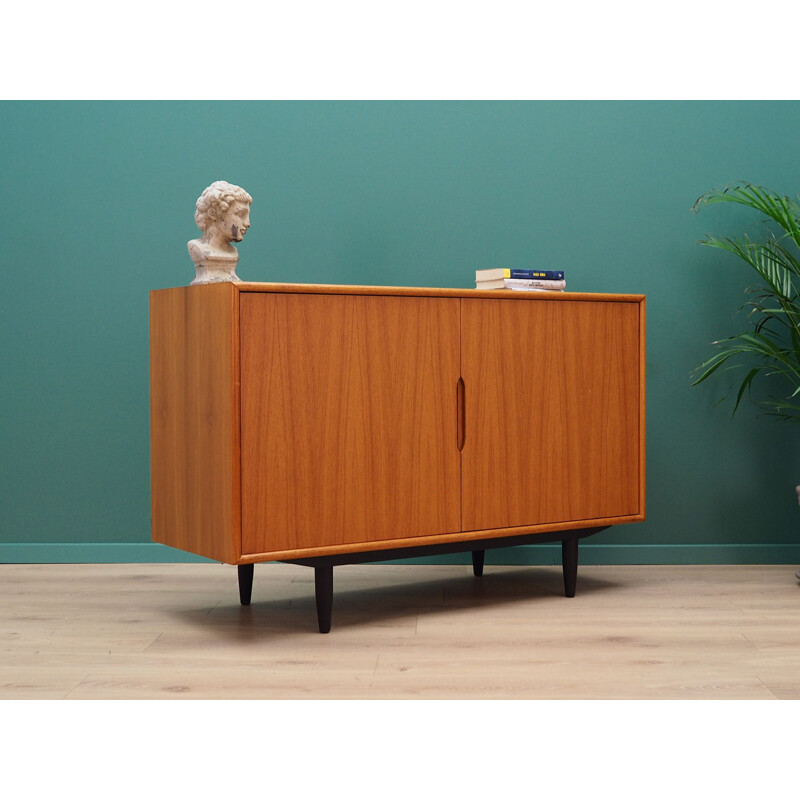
{"points": [[177, 631]]}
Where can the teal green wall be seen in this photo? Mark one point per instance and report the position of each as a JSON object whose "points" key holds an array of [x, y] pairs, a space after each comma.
{"points": [[97, 207]]}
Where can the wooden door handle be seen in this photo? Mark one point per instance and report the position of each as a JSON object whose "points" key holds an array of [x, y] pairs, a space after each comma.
{"points": [[460, 421]]}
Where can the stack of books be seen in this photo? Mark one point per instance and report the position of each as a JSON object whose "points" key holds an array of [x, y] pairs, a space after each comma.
{"points": [[521, 280]]}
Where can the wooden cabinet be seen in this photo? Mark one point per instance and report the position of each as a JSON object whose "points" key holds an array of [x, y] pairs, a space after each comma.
{"points": [[323, 425], [348, 419]]}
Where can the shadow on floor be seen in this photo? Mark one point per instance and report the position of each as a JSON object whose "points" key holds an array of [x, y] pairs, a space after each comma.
{"points": [[383, 598]]}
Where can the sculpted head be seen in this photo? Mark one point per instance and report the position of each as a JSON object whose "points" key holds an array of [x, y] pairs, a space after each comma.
{"points": [[223, 212]]}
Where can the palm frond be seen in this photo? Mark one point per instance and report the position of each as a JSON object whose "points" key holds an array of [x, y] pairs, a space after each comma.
{"points": [[781, 209], [770, 348]]}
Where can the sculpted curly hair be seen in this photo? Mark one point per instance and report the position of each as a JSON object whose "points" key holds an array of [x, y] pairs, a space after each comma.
{"points": [[216, 200]]}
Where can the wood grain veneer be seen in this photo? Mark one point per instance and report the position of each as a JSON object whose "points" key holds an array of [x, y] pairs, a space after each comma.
{"points": [[377, 545], [419, 291], [348, 419], [295, 420], [552, 409], [194, 420]]}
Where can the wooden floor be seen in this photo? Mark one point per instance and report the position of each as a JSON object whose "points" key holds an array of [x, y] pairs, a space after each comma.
{"points": [[177, 631]]}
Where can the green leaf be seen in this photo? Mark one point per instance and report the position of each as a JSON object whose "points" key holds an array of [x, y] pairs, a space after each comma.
{"points": [[770, 346], [745, 385]]}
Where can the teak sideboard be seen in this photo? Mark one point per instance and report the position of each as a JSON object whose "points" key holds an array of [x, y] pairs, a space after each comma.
{"points": [[327, 425]]}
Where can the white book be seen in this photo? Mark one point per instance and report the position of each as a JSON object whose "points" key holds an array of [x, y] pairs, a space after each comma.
{"points": [[522, 284]]}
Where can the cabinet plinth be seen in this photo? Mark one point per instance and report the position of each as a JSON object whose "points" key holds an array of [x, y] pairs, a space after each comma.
{"points": [[297, 422]]}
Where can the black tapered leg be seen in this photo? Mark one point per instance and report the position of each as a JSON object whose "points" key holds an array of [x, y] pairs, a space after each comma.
{"points": [[569, 564], [477, 562], [323, 588], [245, 583]]}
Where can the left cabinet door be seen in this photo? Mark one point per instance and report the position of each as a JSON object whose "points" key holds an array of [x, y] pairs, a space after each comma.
{"points": [[348, 419]]}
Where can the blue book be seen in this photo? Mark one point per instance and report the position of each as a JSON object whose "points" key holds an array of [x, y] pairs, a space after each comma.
{"points": [[528, 274]]}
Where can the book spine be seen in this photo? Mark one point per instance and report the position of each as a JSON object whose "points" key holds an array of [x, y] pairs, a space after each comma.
{"points": [[512, 283], [541, 274], [504, 272]]}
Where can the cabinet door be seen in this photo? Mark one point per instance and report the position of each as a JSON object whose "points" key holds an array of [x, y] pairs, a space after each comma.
{"points": [[552, 405], [348, 419]]}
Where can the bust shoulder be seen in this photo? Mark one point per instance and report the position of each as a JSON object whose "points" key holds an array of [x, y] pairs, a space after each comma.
{"points": [[202, 252]]}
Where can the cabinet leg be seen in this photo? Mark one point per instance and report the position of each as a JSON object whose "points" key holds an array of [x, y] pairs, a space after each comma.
{"points": [[569, 565], [323, 588], [245, 583], [477, 562]]}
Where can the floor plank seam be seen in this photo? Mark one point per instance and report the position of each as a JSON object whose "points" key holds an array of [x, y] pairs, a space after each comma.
{"points": [[153, 642], [750, 642], [374, 671], [758, 678], [75, 688]]}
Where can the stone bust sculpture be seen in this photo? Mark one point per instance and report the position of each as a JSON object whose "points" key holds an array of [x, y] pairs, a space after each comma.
{"points": [[223, 215]]}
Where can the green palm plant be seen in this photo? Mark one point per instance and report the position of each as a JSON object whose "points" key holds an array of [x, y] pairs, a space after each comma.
{"points": [[771, 344]]}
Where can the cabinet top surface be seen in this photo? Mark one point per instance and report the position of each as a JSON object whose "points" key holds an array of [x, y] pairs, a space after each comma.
{"points": [[414, 291]]}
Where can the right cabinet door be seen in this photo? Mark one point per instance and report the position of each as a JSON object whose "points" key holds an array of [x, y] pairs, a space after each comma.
{"points": [[552, 406]]}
